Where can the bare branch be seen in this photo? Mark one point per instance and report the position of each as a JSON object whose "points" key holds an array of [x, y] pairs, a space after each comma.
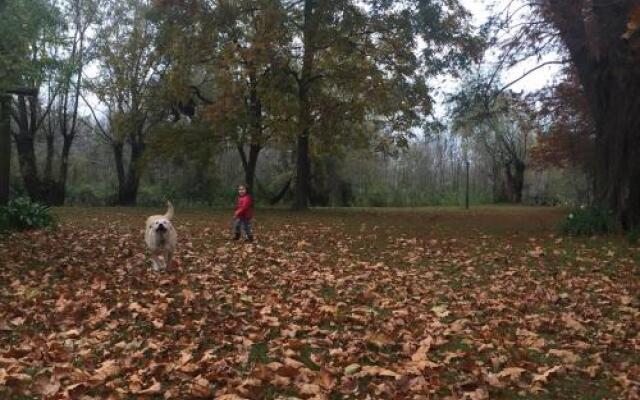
{"points": [[101, 129], [529, 72], [199, 95]]}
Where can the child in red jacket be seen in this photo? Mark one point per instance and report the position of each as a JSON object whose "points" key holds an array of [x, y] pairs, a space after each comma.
{"points": [[243, 215]]}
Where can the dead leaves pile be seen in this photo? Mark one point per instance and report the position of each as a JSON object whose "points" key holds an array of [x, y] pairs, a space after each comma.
{"points": [[315, 311]]}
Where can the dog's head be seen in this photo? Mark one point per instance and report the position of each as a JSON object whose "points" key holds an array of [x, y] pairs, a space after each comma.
{"points": [[161, 225]]}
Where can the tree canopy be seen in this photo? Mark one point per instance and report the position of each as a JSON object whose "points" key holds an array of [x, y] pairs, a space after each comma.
{"points": [[599, 41], [291, 93]]}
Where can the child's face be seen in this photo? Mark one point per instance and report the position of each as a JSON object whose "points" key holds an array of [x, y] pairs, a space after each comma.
{"points": [[242, 190]]}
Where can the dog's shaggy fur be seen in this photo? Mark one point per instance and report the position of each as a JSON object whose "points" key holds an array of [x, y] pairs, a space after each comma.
{"points": [[161, 238]]}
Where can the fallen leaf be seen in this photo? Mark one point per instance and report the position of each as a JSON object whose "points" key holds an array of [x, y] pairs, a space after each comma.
{"points": [[351, 369], [370, 370], [46, 386], [155, 388], [512, 373], [440, 311], [309, 388], [326, 380], [572, 323], [566, 355], [542, 378], [107, 369], [421, 353]]}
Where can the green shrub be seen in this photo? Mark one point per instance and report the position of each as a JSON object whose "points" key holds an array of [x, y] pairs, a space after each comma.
{"points": [[376, 198], [634, 235], [86, 195], [586, 222], [152, 195], [21, 214]]}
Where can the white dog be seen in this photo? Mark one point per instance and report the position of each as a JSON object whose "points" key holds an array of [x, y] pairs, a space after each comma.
{"points": [[161, 238]]}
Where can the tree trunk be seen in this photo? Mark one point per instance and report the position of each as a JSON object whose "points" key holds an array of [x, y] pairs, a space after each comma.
{"points": [[281, 193], [128, 194], [303, 174], [26, 117], [256, 134], [514, 180], [498, 185], [57, 189], [5, 148], [28, 167], [132, 183], [118, 155], [48, 163], [52, 190], [129, 179], [608, 71], [303, 162], [250, 173], [618, 165], [615, 108], [631, 215], [249, 165]]}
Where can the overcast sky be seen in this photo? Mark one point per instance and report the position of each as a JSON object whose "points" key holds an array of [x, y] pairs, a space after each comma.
{"points": [[480, 10], [537, 80]]}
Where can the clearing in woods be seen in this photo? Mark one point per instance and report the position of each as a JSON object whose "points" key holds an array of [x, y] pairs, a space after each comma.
{"points": [[331, 304]]}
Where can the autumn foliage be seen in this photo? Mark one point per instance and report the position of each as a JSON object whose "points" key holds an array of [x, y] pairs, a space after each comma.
{"points": [[568, 139], [335, 305]]}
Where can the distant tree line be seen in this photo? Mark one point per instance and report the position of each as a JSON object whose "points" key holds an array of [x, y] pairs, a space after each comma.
{"points": [[312, 96]]}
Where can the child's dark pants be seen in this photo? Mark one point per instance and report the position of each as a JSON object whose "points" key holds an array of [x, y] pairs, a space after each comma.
{"points": [[244, 225]]}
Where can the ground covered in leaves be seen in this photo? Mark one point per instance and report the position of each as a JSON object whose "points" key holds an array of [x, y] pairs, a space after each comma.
{"points": [[353, 304]]}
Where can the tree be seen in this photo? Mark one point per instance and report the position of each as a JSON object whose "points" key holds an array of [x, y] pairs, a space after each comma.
{"points": [[249, 107], [230, 70], [26, 29], [326, 74], [356, 71], [23, 23], [66, 88], [5, 147], [504, 127], [55, 61], [126, 85], [599, 39], [28, 115], [567, 134]]}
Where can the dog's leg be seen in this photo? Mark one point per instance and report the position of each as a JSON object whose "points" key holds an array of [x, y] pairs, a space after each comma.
{"points": [[155, 261]]}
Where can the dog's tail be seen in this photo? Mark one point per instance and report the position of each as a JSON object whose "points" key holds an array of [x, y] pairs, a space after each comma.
{"points": [[169, 214]]}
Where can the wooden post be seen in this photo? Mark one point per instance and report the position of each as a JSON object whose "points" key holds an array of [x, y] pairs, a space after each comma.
{"points": [[466, 194], [5, 147]]}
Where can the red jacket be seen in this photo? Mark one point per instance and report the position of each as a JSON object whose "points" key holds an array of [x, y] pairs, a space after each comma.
{"points": [[243, 207]]}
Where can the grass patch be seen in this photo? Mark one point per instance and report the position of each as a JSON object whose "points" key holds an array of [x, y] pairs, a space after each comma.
{"points": [[259, 353]]}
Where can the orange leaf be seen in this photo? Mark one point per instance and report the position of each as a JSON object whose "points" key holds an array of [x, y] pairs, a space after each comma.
{"points": [[155, 388]]}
